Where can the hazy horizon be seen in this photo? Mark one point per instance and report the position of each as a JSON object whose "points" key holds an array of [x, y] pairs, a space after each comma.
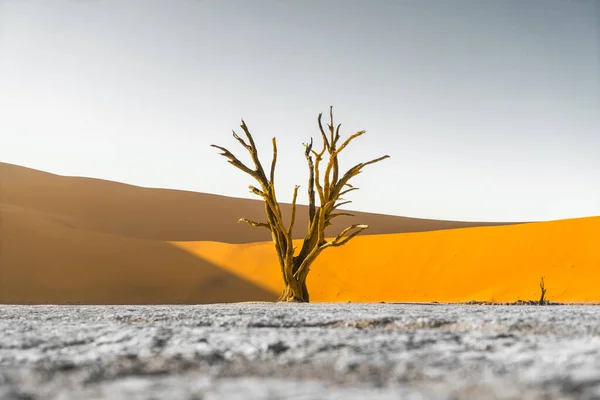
{"points": [[490, 110]]}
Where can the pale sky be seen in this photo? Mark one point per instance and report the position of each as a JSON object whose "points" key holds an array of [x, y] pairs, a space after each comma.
{"points": [[490, 109]]}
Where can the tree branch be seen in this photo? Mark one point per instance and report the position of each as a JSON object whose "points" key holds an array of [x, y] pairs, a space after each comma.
{"points": [[318, 179], [311, 182], [323, 135], [355, 171], [257, 191], [336, 168], [347, 141], [343, 192], [254, 223], [337, 133], [233, 160], [254, 154], [335, 215], [341, 204], [293, 217], [341, 240], [272, 175], [239, 139]]}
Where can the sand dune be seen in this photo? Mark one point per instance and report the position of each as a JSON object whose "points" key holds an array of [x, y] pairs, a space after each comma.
{"points": [[81, 240], [485, 263], [160, 214]]}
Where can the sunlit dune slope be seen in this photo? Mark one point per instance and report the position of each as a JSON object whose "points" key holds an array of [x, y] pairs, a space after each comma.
{"points": [[44, 260], [486, 263], [159, 214]]}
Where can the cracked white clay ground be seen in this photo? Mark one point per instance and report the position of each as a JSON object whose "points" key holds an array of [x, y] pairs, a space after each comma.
{"points": [[299, 351]]}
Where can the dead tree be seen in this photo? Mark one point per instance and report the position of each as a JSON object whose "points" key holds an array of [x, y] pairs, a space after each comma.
{"points": [[543, 289], [331, 185]]}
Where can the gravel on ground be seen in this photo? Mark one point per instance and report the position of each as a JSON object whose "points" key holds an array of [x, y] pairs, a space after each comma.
{"points": [[299, 351]]}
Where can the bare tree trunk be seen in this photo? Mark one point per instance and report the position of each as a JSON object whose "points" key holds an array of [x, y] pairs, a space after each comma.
{"points": [[305, 291], [292, 294], [295, 289]]}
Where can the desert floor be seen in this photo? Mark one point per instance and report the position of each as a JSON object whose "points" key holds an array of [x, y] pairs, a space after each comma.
{"points": [[316, 351]]}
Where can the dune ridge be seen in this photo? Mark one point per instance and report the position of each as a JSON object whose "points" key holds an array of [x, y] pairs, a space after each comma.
{"points": [[165, 214]]}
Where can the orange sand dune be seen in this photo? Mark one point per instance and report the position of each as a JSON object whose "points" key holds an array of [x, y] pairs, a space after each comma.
{"points": [[486, 263], [81, 240]]}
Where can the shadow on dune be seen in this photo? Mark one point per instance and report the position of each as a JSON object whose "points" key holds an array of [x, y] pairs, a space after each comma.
{"points": [[43, 261]]}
